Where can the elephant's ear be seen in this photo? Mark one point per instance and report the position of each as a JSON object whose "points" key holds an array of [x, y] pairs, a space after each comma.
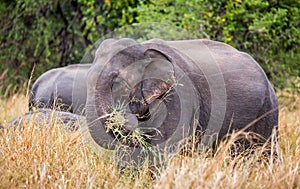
{"points": [[158, 76], [152, 53]]}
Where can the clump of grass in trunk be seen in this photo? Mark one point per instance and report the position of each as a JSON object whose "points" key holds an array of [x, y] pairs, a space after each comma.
{"points": [[115, 122]]}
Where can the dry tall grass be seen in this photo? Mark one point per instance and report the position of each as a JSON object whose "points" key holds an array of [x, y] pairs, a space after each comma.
{"points": [[52, 157]]}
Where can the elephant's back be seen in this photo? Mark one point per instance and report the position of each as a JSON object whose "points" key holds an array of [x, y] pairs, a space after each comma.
{"points": [[40, 92], [220, 60]]}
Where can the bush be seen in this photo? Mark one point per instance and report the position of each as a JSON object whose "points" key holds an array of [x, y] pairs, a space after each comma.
{"points": [[45, 34]]}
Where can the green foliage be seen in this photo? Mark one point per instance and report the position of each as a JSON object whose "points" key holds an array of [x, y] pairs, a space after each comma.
{"points": [[36, 33], [45, 34], [102, 17]]}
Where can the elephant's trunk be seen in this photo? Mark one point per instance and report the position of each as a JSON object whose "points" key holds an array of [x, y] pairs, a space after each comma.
{"points": [[107, 69]]}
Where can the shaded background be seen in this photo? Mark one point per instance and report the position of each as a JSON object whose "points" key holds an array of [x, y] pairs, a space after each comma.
{"points": [[38, 35]]}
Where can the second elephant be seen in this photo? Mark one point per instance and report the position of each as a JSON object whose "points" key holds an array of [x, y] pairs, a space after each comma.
{"points": [[61, 88]]}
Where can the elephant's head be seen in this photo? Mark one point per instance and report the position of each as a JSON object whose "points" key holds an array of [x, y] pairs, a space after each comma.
{"points": [[125, 72]]}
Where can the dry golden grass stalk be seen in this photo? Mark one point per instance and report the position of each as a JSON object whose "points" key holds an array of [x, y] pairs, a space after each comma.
{"points": [[50, 156]]}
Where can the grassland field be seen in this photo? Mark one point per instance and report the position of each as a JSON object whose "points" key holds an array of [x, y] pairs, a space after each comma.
{"points": [[53, 157]]}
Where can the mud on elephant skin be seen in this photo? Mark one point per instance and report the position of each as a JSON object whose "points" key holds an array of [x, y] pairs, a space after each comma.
{"points": [[61, 88], [167, 85]]}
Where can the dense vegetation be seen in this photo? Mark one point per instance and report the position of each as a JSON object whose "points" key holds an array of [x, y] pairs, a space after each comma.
{"points": [[37, 35]]}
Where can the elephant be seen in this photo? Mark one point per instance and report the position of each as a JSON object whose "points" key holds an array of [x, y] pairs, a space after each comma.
{"points": [[45, 116], [172, 89], [63, 88]]}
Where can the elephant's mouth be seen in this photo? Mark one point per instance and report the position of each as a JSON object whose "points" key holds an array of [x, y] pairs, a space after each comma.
{"points": [[124, 128], [128, 127], [145, 116]]}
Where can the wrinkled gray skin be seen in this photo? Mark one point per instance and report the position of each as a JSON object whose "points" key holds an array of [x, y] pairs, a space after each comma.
{"points": [[250, 98], [45, 116], [63, 88]]}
